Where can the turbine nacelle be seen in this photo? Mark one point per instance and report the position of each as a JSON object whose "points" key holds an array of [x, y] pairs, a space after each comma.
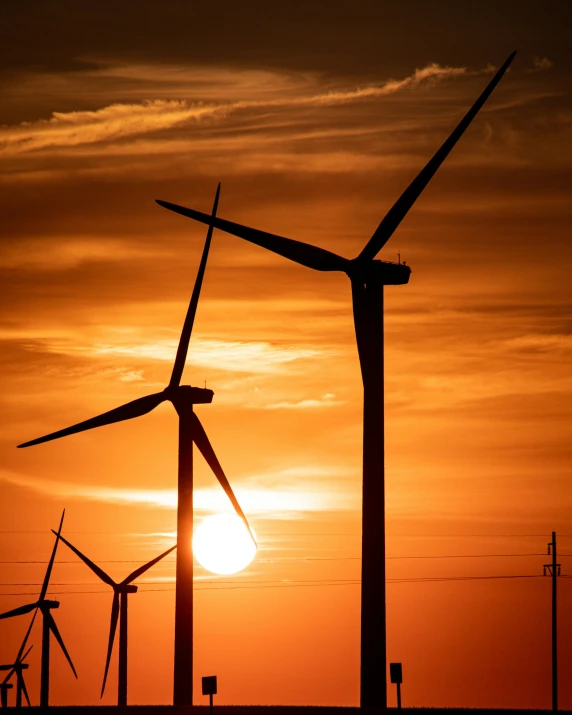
{"points": [[125, 588], [380, 272], [46, 605], [189, 395]]}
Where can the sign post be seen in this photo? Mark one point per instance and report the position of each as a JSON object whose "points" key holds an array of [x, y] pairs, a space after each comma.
{"points": [[209, 688], [396, 675]]}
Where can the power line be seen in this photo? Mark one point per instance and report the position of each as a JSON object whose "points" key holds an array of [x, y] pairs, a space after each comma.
{"points": [[306, 558], [298, 533], [290, 584]]}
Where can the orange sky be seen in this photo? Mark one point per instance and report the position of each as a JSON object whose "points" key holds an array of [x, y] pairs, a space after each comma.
{"points": [[314, 122]]}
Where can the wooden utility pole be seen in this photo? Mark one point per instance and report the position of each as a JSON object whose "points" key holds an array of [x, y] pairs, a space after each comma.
{"points": [[553, 570]]}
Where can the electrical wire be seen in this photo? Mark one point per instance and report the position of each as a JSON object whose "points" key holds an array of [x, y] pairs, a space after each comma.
{"points": [[292, 584], [307, 558]]}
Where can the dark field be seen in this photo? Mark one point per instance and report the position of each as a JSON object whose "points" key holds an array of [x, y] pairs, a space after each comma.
{"points": [[273, 710]]}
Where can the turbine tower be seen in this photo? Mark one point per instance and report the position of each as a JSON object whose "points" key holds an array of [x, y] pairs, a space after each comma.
{"points": [[183, 398], [368, 278], [49, 626], [118, 611]]}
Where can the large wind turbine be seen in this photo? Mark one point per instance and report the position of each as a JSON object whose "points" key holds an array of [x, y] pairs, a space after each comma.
{"points": [[121, 592], [48, 625], [367, 277], [183, 397]]}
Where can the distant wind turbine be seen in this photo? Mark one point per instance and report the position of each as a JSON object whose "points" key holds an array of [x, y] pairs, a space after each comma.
{"points": [[48, 625], [16, 668], [367, 277], [118, 611], [183, 397]]}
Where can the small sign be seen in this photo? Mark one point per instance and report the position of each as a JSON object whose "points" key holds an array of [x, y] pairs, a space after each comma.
{"points": [[209, 685], [395, 673]]}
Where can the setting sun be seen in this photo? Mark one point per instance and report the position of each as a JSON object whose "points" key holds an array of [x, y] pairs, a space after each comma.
{"points": [[222, 544]]}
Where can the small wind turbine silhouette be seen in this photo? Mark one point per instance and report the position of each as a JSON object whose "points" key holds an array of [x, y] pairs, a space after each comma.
{"points": [[118, 611], [17, 668], [367, 277], [48, 625], [182, 397]]}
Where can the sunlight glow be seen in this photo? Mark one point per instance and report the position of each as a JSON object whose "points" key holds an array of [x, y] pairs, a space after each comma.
{"points": [[222, 544]]}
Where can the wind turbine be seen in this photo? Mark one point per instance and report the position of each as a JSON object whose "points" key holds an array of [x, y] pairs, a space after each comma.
{"points": [[367, 277], [118, 611], [18, 668], [183, 397], [45, 606]]}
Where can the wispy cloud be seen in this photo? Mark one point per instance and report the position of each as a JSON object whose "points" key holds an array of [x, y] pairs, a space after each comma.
{"points": [[66, 254], [540, 63], [256, 357], [287, 499], [327, 400], [119, 121]]}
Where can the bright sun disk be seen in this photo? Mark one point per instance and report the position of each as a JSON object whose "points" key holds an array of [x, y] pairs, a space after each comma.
{"points": [[222, 544]]}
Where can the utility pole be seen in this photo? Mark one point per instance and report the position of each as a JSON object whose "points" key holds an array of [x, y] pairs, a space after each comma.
{"points": [[553, 570]]}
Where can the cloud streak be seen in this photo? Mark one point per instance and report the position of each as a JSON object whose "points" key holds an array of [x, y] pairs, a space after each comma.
{"points": [[232, 356], [280, 498], [119, 121]]}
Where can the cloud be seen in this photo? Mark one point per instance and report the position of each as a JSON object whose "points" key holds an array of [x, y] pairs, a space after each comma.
{"points": [[326, 400], [119, 121], [68, 254], [233, 356], [107, 124], [287, 499], [540, 63], [560, 344]]}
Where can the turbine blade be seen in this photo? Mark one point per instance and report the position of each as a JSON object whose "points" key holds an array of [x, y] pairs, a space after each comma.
{"points": [[20, 611], [112, 629], [400, 208], [304, 253], [19, 657], [146, 567], [25, 690], [183, 347], [202, 441], [94, 567], [26, 654], [52, 559], [136, 408], [54, 629]]}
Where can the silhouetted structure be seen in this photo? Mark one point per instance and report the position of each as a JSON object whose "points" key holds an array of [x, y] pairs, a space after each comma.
{"points": [[118, 611], [368, 278], [17, 668], [45, 606], [553, 570], [396, 676], [209, 688], [182, 397], [4, 688]]}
